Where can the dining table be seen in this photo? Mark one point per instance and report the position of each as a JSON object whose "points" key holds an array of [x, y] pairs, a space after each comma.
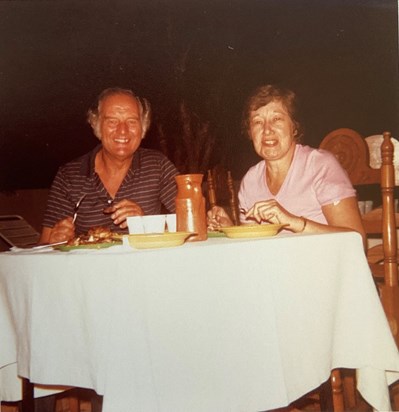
{"points": [[227, 324]]}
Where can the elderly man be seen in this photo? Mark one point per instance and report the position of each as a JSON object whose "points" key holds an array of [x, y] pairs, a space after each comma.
{"points": [[118, 178]]}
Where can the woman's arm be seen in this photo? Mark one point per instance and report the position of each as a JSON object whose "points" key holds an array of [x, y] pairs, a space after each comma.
{"points": [[217, 217], [344, 215], [341, 216]]}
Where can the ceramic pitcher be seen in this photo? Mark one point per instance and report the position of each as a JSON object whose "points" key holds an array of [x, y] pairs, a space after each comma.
{"points": [[190, 206]]}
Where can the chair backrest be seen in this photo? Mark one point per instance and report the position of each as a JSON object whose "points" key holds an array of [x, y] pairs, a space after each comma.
{"points": [[351, 150], [221, 185], [16, 231]]}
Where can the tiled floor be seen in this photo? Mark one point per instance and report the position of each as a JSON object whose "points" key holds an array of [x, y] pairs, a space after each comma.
{"points": [[75, 400], [61, 406], [90, 402], [64, 406]]}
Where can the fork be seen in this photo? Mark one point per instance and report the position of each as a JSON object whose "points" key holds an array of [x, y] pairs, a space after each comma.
{"points": [[75, 210]]}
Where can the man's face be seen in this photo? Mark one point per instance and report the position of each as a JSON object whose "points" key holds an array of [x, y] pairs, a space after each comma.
{"points": [[120, 126]]}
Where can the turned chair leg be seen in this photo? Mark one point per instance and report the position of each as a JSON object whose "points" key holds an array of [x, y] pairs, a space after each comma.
{"points": [[28, 404], [337, 391]]}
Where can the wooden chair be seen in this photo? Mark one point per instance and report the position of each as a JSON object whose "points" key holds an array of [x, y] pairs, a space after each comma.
{"points": [[351, 151], [221, 191]]}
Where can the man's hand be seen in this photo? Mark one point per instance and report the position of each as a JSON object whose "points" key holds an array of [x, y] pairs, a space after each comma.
{"points": [[121, 210], [63, 230]]}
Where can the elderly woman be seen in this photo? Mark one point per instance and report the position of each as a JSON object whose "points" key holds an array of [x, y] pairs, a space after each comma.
{"points": [[296, 185], [118, 177]]}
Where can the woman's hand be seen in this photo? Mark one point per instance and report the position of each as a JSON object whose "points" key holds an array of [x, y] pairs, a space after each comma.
{"points": [[271, 211], [217, 218], [121, 210]]}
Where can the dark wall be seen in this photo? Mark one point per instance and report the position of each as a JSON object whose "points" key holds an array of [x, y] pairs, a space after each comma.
{"points": [[340, 56]]}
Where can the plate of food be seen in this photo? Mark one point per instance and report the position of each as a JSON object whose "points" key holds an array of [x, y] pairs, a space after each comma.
{"points": [[158, 240], [252, 231], [96, 238]]}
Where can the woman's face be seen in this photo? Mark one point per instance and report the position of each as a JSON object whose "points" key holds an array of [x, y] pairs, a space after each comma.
{"points": [[272, 131]]}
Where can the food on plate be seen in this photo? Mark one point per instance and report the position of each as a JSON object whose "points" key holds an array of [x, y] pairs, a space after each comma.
{"points": [[95, 235]]}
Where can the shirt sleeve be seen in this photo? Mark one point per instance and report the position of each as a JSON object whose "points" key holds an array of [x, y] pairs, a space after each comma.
{"points": [[59, 204], [331, 182]]}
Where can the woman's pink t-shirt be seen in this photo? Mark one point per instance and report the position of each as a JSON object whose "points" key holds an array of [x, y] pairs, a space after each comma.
{"points": [[315, 179]]}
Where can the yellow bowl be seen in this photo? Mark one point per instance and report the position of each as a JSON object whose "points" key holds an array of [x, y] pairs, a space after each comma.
{"points": [[158, 240], [251, 231]]}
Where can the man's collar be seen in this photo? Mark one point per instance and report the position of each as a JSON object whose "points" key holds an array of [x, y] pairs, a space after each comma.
{"points": [[87, 167]]}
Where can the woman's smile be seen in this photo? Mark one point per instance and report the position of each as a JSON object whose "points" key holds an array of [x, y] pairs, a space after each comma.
{"points": [[270, 143]]}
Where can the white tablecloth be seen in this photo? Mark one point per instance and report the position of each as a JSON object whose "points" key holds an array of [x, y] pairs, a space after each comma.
{"points": [[221, 325]]}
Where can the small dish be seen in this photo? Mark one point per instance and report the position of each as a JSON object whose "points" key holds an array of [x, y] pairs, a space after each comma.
{"points": [[158, 240], [251, 231]]}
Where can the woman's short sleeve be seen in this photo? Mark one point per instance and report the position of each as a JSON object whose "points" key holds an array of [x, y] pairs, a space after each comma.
{"points": [[330, 181]]}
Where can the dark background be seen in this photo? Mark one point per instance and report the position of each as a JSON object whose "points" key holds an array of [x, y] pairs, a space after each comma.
{"points": [[56, 56]]}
